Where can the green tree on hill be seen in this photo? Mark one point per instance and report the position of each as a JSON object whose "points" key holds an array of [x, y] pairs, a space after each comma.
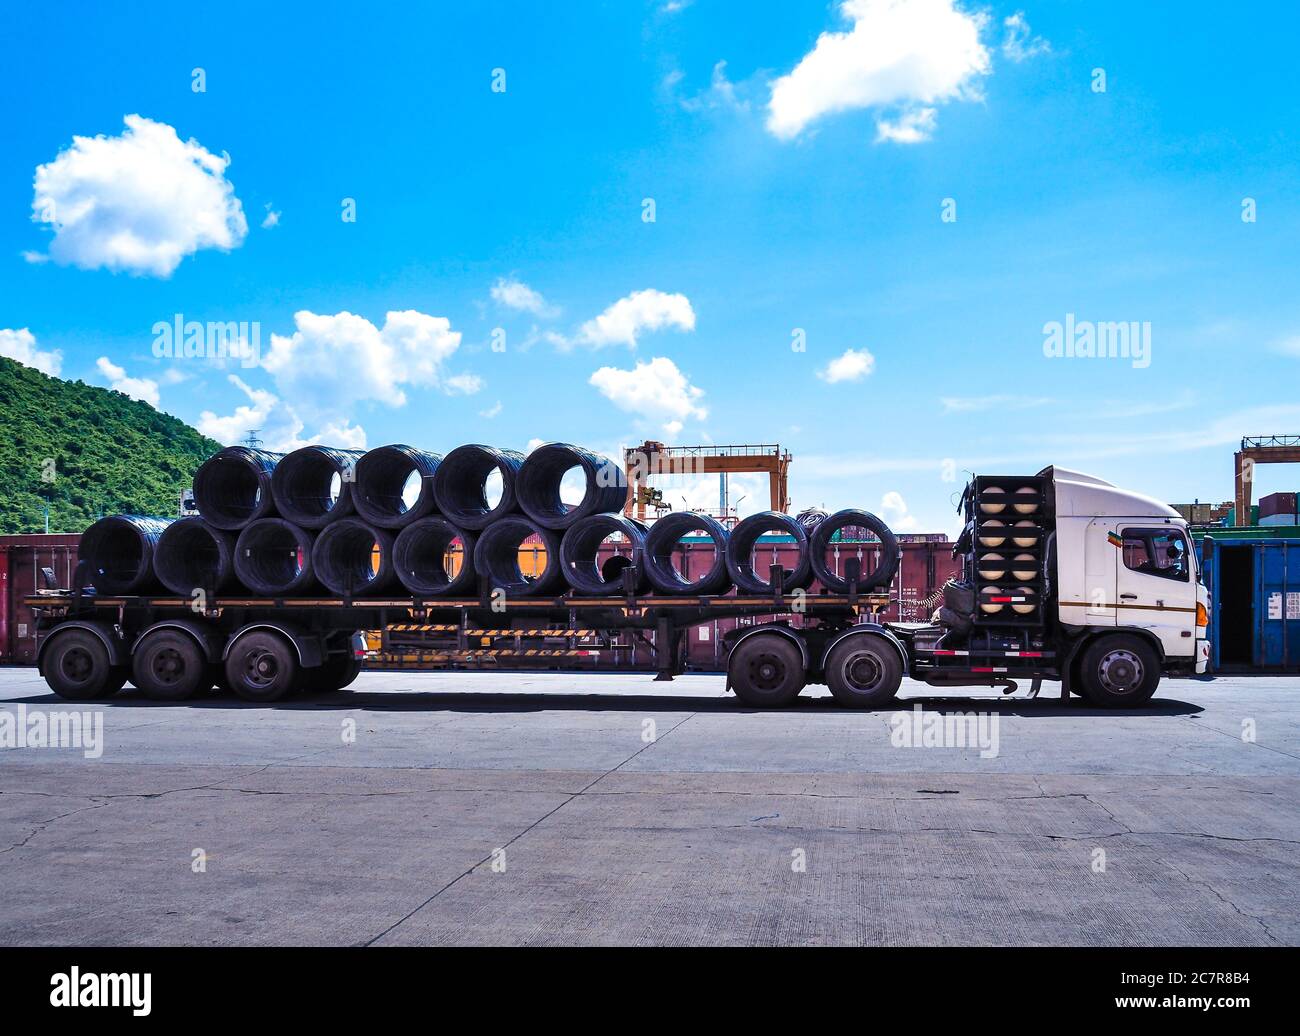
{"points": [[89, 451]]}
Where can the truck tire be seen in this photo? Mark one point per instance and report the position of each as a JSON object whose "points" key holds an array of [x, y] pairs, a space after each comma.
{"points": [[77, 667], [1119, 672], [262, 667], [766, 671], [863, 671], [333, 674], [167, 665]]}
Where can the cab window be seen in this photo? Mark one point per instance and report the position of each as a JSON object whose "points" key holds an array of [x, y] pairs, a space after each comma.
{"points": [[1157, 552]]}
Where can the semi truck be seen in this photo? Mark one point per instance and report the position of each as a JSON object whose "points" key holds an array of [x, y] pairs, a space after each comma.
{"points": [[1064, 577]]}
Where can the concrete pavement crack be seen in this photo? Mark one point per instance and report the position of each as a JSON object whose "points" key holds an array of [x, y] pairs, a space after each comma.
{"points": [[509, 842], [46, 823]]}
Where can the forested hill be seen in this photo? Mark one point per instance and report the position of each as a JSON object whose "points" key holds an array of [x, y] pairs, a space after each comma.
{"points": [[106, 453]]}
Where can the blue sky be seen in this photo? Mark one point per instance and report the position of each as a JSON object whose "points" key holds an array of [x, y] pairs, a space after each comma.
{"points": [[800, 185]]}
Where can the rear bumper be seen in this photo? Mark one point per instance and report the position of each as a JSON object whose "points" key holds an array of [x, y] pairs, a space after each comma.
{"points": [[1202, 655]]}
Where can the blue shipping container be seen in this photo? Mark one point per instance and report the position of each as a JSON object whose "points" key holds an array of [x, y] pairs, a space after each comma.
{"points": [[1255, 603]]}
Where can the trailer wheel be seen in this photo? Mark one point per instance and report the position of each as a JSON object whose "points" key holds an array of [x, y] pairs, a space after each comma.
{"points": [[766, 671], [168, 666], [863, 671], [332, 675], [1119, 672], [77, 667], [262, 667]]}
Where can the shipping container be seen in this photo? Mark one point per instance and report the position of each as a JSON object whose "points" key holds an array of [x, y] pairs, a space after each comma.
{"points": [[1277, 503], [22, 557], [1254, 584]]}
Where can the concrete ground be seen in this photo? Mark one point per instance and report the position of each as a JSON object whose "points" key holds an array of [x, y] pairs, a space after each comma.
{"points": [[578, 809]]}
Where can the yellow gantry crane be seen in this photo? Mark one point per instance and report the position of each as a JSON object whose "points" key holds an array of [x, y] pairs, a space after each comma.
{"points": [[654, 458]]}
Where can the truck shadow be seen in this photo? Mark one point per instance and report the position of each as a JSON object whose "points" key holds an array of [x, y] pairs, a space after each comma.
{"points": [[524, 701]]}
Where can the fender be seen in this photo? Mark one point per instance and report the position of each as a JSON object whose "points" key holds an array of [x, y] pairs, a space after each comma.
{"points": [[207, 638], [867, 629], [784, 631], [308, 646], [117, 652], [1085, 635]]}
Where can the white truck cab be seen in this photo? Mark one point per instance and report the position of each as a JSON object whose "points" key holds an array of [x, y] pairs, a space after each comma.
{"points": [[1125, 561]]}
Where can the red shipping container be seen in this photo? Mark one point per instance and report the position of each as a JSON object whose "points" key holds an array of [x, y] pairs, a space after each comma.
{"points": [[21, 559]]}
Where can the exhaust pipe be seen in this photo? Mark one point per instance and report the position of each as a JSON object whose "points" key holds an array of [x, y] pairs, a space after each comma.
{"points": [[580, 549], [273, 559], [354, 559], [496, 558], [394, 486], [313, 486], [740, 553], [233, 487], [119, 552], [661, 542], [540, 480], [191, 555], [425, 563], [460, 485]]}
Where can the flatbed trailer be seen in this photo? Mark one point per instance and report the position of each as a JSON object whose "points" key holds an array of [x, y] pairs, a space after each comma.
{"points": [[1095, 587], [172, 648]]}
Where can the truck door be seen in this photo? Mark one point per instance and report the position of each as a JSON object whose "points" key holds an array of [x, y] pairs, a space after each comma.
{"points": [[1155, 586], [1100, 561]]}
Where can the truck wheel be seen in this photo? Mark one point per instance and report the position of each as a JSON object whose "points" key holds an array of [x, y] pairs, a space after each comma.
{"points": [[863, 671], [1119, 672], [333, 675], [766, 671], [168, 666], [262, 667], [77, 667]]}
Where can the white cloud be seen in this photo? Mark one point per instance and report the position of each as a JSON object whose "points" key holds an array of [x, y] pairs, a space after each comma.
{"points": [[137, 388], [139, 202], [515, 294], [970, 404], [272, 218], [895, 513], [277, 424], [335, 361], [491, 411], [909, 128], [20, 345], [654, 389], [853, 365], [463, 385], [1019, 43], [622, 322], [721, 93], [1289, 346], [898, 54]]}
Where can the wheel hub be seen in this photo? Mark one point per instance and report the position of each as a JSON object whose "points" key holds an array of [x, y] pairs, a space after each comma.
{"points": [[168, 666], [767, 672], [77, 664], [262, 669], [863, 671], [1121, 672]]}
